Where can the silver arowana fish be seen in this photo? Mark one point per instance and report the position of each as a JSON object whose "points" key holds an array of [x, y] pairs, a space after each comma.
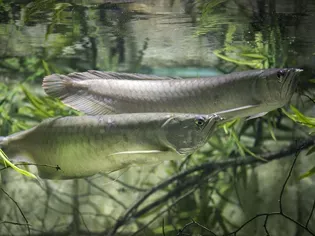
{"points": [[240, 94], [74, 147]]}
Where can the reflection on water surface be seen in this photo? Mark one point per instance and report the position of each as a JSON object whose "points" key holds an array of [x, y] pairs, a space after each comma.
{"points": [[155, 36]]}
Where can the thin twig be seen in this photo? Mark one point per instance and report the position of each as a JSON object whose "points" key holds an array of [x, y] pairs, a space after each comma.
{"points": [[312, 100], [193, 222], [13, 223], [108, 194], [186, 226], [265, 225], [17, 205], [170, 194], [288, 177], [163, 230], [310, 216], [125, 185], [225, 198], [162, 212], [203, 227]]}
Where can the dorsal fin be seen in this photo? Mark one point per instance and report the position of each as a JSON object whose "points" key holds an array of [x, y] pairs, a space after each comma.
{"points": [[77, 96], [95, 74]]}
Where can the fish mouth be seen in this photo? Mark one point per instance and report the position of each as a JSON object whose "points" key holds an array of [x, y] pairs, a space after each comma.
{"points": [[290, 83]]}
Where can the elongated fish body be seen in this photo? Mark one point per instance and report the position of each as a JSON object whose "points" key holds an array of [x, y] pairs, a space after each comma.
{"points": [[239, 94], [73, 147]]}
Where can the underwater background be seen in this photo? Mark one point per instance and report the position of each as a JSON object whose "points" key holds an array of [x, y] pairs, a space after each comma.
{"points": [[185, 38]]}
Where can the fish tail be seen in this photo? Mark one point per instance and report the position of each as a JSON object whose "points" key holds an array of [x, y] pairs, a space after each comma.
{"points": [[73, 93], [56, 85]]}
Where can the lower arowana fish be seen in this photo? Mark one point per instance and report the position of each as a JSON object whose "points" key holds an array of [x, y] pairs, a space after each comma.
{"points": [[74, 147], [241, 94]]}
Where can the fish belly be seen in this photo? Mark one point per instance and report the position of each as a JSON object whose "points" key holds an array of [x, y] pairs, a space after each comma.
{"points": [[86, 156]]}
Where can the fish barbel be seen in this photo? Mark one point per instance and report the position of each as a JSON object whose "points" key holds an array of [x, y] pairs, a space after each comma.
{"points": [[239, 94], [79, 146]]}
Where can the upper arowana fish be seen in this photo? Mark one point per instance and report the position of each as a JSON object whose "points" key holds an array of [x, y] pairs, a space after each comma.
{"points": [[80, 146], [241, 94]]}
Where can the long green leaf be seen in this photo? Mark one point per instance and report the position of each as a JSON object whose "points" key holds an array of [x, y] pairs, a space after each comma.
{"points": [[19, 170], [308, 173], [299, 117]]}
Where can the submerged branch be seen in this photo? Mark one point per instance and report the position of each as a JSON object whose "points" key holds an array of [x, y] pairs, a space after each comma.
{"points": [[298, 149], [20, 210], [208, 168]]}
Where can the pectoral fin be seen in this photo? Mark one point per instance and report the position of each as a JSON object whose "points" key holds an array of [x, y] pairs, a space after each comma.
{"points": [[257, 115], [136, 152], [129, 158], [239, 112]]}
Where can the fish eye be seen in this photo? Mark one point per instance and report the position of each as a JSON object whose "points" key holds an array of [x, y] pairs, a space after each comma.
{"points": [[280, 75], [200, 121]]}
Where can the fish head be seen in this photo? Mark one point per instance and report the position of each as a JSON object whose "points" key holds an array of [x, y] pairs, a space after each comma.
{"points": [[276, 85], [185, 133], [289, 80]]}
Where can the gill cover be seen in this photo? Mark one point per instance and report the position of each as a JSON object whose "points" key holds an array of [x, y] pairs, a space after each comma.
{"points": [[186, 134]]}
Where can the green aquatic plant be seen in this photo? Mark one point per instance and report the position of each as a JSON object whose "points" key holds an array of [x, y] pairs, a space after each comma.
{"points": [[42, 107], [6, 162], [259, 54], [307, 121], [57, 17], [300, 118], [308, 173], [242, 46], [212, 16], [20, 109]]}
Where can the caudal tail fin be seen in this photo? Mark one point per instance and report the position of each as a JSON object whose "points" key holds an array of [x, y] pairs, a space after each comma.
{"points": [[74, 94], [56, 85]]}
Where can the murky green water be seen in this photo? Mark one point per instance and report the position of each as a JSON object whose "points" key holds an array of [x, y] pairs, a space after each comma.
{"points": [[162, 37], [183, 38]]}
